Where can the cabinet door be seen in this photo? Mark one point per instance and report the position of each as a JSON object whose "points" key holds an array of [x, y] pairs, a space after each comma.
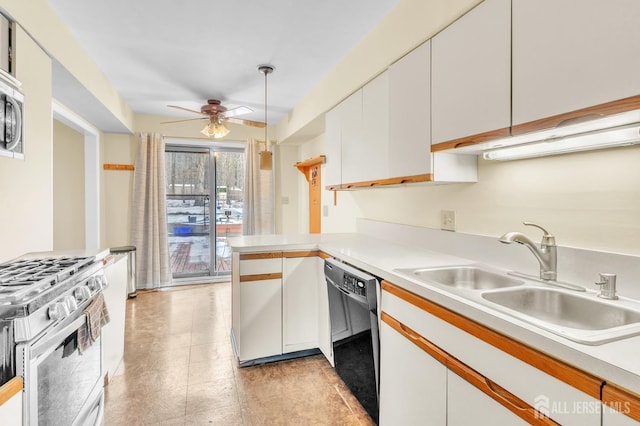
{"points": [[300, 281], [412, 383], [573, 54], [611, 417], [468, 405], [410, 114], [351, 136], [374, 145], [11, 411], [324, 323], [115, 296], [260, 319], [471, 73], [332, 173]]}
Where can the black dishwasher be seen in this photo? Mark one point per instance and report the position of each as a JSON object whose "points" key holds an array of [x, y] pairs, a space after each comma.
{"points": [[353, 311]]}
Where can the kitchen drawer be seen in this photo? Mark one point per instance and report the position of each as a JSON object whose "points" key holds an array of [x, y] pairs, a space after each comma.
{"points": [[566, 404], [254, 265]]}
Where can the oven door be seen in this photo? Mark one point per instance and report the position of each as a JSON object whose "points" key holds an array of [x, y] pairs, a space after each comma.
{"points": [[62, 386]]}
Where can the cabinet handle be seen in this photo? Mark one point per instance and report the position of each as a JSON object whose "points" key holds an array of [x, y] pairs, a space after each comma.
{"points": [[579, 119], [463, 144], [504, 395], [409, 333]]}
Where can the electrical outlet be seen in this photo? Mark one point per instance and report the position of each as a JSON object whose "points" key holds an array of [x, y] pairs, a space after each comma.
{"points": [[448, 220]]}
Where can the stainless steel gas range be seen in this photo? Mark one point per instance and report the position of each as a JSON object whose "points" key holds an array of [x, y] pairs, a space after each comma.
{"points": [[43, 331]]}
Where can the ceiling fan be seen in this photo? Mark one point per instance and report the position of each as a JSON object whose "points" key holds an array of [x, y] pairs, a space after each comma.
{"points": [[217, 114]]}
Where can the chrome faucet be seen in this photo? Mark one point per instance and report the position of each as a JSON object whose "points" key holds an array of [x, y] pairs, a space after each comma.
{"points": [[547, 253]]}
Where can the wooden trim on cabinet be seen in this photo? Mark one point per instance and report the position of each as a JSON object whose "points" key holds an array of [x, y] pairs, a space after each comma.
{"points": [[596, 111], [499, 394], [622, 400], [516, 405], [579, 379], [472, 140], [265, 255], [301, 253], [424, 344], [9, 389], [428, 177], [323, 255], [261, 277]]}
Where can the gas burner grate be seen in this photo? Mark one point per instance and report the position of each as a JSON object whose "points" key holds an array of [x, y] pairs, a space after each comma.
{"points": [[27, 277]]}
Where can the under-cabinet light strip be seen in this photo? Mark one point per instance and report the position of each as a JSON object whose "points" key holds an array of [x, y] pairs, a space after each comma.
{"points": [[605, 139]]}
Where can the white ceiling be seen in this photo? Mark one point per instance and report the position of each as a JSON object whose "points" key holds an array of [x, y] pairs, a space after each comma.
{"points": [[160, 52]]}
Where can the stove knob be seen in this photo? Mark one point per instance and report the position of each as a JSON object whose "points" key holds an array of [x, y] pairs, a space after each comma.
{"points": [[71, 303], [103, 281], [95, 284], [58, 311], [82, 294]]}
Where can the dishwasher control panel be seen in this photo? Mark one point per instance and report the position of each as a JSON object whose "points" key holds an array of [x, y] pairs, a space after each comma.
{"points": [[353, 284], [351, 281]]}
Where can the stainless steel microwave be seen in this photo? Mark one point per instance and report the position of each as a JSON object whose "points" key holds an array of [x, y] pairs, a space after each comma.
{"points": [[11, 123]]}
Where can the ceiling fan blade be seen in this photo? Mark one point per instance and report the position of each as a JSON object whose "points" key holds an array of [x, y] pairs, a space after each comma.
{"points": [[236, 111], [188, 119], [244, 122], [186, 109]]}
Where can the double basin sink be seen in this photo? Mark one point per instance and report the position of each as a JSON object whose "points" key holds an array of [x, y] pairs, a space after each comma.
{"points": [[582, 317]]}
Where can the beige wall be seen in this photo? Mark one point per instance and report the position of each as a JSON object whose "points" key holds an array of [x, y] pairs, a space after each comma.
{"points": [[26, 211], [588, 200], [68, 188], [117, 189]]}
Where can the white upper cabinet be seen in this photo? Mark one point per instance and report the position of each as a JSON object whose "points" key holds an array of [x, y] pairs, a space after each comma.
{"points": [[471, 73], [409, 113], [350, 111], [373, 157], [572, 54], [332, 173]]}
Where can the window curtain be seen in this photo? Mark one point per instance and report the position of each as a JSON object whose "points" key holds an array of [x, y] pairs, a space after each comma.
{"points": [[149, 214], [259, 206]]}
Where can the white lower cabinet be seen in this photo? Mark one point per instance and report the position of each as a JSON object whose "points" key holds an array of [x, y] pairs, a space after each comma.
{"points": [[611, 417], [413, 385], [11, 409], [261, 319], [300, 302], [277, 304], [115, 296], [529, 387], [468, 405]]}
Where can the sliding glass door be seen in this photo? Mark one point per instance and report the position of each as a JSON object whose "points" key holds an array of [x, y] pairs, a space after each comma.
{"points": [[205, 187]]}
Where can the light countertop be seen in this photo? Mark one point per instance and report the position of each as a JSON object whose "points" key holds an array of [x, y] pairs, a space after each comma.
{"points": [[616, 362]]}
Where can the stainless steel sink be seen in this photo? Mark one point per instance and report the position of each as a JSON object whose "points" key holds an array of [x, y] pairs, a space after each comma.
{"points": [[577, 316], [464, 277]]}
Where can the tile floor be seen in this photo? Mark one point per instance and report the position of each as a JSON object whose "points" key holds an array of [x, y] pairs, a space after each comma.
{"points": [[179, 369]]}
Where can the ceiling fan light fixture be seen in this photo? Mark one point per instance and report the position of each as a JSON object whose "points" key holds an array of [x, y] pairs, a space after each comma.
{"points": [[215, 129]]}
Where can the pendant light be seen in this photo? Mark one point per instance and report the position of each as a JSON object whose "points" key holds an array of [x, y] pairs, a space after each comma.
{"points": [[266, 156]]}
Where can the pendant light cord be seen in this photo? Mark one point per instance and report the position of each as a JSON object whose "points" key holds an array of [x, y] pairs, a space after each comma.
{"points": [[266, 145]]}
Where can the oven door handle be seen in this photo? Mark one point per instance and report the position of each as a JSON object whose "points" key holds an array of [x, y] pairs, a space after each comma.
{"points": [[17, 121], [49, 342]]}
